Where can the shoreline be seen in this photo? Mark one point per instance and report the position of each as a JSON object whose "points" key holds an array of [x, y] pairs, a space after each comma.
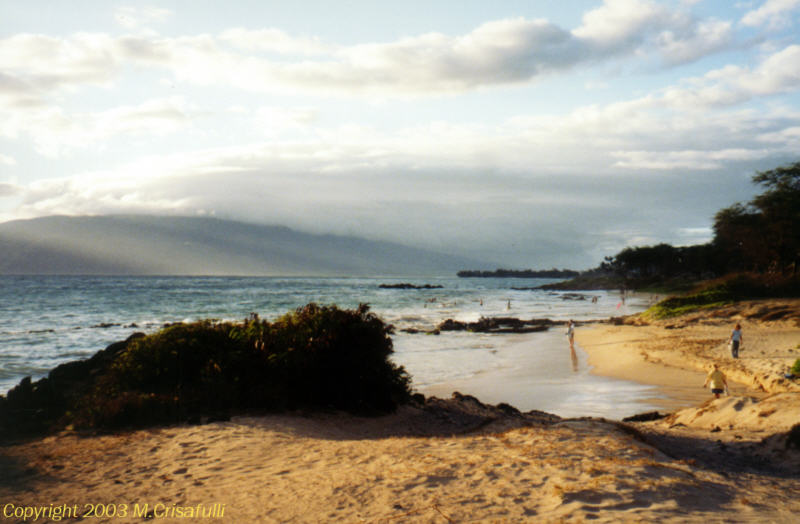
{"points": [[730, 459], [662, 352], [538, 374], [617, 354]]}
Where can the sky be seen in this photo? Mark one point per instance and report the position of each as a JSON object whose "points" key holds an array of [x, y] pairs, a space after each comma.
{"points": [[527, 134]]}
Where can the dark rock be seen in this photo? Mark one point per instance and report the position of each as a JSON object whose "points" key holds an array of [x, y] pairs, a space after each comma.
{"points": [[468, 398], [644, 417], [104, 325], [573, 296], [498, 325], [793, 437], [33, 407], [466, 413], [508, 409], [409, 286], [452, 325]]}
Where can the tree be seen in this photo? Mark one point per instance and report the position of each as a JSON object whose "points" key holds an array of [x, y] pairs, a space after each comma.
{"points": [[738, 239], [763, 234], [662, 261], [780, 208]]}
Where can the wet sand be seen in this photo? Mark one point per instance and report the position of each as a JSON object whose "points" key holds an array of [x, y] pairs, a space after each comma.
{"points": [[540, 374]]}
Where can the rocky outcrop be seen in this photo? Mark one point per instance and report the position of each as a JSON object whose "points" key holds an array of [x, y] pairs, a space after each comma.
{"points": [[465, 413], [33, 407], [499, 325], [406, 285]]}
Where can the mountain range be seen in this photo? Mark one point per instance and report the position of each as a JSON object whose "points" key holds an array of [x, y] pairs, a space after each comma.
{"points": [[169, 245]]}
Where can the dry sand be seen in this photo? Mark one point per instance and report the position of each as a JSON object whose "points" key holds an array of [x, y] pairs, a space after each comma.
{"points": [[771, 343], [724, 460]]}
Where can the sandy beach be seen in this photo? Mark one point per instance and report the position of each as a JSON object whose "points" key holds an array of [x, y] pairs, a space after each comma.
{"points": [[457, 460]]}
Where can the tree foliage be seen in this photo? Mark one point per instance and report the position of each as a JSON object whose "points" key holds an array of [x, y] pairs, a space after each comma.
{"points": [[760, 236], [763, 235], [648, 263]]}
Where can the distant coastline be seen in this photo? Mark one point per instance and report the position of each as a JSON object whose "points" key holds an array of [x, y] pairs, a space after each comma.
{"points": [[523, 273]]}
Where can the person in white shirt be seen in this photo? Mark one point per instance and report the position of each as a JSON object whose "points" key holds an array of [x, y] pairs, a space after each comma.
{"points": [[735, 340], [571, 333]]}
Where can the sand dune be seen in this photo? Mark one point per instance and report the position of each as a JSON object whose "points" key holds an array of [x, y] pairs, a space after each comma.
{"points": [[778, 412], [346, 469]]}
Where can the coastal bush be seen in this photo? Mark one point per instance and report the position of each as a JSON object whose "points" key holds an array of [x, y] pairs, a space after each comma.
{"points": [[724, 291], [181, 370], [339, 358], [679, 305], [317, 357]]}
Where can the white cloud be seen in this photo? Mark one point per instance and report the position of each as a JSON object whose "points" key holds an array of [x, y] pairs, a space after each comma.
{"points": [[272, 120], [7, 160], [275, 41], [499, 52], [684, 160], [627, 26], [54, 130], [621, 23], [776, 74], [788, 137], [45, 63], [774, 14], [134, 17], [779, 73], [8, 190], [695, 235], [701, 39]]}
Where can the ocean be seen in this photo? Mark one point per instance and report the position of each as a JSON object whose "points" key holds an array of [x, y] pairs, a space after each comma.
{"points": [[49, 320]]}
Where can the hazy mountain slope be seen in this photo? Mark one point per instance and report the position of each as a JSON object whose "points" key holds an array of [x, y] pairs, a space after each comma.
{"points": [[201, 246]]}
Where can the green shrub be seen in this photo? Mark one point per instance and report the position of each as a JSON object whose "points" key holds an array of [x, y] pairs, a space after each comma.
{"points": [[796, 367], [726, 290], [313, 358], [675, 306], [338, 358]]}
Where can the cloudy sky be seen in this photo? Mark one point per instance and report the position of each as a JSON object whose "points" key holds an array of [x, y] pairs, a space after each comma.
{"points": [[524, 133]]}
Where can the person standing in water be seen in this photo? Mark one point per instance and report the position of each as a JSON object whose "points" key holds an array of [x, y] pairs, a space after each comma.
{"points": [[571, 336], [735, 340], [571, 333], [717, 380]]}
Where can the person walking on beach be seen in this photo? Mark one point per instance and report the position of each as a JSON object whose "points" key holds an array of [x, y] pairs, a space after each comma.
{"points": [[717, 380], [735, 340], [571, 334]]}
